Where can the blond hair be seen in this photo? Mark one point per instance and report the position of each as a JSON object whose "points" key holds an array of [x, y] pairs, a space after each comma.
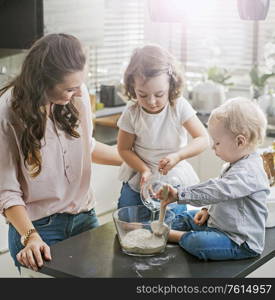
{"points": [[151, 61], [242, 117]]}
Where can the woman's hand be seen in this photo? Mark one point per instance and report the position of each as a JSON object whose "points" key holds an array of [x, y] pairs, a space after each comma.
{"points": [[168, 162], [201, 217], [31, 255], [144, 177]]}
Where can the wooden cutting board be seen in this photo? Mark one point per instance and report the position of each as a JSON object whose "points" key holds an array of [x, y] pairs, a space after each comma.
{"points": [[110, 121]]}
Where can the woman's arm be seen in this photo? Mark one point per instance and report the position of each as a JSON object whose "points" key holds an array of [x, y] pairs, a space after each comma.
{"points": [[18, 217], [199, 142], [106, 155], [31, 254]]}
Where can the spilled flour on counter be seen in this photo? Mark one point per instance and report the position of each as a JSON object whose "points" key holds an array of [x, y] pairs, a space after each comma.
{"points": [[142, 241]]}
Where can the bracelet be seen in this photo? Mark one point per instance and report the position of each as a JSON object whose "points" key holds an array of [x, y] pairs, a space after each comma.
{"points": [[26, 237]]}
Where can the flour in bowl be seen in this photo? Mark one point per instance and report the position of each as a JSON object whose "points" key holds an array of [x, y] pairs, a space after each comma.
{"points": [[142, 241]]}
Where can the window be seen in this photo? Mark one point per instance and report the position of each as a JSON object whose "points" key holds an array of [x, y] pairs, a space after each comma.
{"points": [[214, 34], [123, 31]]}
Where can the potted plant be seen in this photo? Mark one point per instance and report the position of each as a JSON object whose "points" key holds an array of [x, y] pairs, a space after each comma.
{"points": [[259, 81], [219, 75], [212, 92]]}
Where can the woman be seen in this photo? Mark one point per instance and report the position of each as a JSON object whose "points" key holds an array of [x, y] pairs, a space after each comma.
{"points": [[46, 150]]}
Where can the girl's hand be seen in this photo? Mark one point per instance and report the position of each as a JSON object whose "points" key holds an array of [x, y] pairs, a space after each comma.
{"points": [[167, 195], [168, 162], [145, 176], [201, 217], [31, 255]]}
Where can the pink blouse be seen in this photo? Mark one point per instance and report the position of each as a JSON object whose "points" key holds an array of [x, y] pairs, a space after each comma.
{"points": [[63, 186]]}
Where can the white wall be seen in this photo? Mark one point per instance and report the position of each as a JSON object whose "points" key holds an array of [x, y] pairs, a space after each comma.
{"points": [[3, 234]]}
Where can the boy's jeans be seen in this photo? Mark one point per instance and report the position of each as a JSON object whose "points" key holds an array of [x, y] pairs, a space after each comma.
{"points": [[129, 197], [208, 243], [53, 229]]}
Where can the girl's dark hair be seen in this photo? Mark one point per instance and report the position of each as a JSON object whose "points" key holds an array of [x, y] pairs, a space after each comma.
{"points": [[48, 61], [150, 61]]}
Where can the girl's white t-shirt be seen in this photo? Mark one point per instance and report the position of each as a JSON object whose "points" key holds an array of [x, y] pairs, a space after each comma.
{"points": [[158, 135]]}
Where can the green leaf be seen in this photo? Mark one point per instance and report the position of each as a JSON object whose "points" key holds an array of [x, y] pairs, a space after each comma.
{"points": [[254, 76], [265, 77], [258, 80], [219, 75]]}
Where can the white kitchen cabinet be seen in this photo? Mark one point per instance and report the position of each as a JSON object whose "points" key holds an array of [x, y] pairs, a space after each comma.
{"points": [[3, 235], [106, 187], [207, 164]]}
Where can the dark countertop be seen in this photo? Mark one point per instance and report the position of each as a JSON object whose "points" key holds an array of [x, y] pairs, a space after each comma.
{"points": [[97, 253], [107, 134]]}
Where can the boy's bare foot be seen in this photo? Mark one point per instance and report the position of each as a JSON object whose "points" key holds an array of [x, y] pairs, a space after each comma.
{"points": [[174, 236]]}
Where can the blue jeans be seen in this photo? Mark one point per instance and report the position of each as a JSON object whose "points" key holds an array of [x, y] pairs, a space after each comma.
{"points": [[53, 229], [129, 197], [208, 243]]}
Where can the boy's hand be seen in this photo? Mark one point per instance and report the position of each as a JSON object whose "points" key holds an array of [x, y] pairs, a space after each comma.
{"points": [[168, 162], [201, 217], [167, 194]]}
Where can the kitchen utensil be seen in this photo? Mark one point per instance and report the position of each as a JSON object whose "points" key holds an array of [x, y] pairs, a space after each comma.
{"points": [[159, 227]]}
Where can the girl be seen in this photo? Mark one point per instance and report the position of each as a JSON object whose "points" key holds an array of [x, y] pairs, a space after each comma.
{"points": [[153, 131]]}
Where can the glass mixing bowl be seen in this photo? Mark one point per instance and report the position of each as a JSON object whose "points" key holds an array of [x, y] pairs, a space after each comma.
{"points": [[133, 226], [151, 187]]}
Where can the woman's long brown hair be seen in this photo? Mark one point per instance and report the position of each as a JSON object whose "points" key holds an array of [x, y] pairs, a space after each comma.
{"points": [[48, 61]]}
